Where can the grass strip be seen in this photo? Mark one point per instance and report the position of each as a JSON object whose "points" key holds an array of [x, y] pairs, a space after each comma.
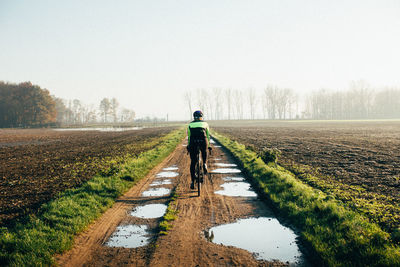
{"points": [[170, 215], [339, 236], [52, 231]]}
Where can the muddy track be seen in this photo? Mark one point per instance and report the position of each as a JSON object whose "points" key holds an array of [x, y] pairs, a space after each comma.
{"points": [[185, 244]]}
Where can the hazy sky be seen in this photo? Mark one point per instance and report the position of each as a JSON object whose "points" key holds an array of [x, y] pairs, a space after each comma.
{"points": [[147, 53]]}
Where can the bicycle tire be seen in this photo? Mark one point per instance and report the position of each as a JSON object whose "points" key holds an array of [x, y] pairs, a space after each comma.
{"points": [[199, 174]]}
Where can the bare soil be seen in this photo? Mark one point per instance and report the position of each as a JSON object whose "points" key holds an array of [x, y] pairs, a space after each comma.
{"points": [[37, 164], [356, 153], [185, 244]]}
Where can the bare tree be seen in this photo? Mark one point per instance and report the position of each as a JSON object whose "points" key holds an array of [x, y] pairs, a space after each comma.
{"points": [[239, 101], [228, 97], [188, 101], [252, 98], [218, 103], [105, 108], [270, 101], [114, 109], [127, 115]]}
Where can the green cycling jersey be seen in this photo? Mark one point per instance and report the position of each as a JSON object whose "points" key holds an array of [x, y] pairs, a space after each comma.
{"points": [[196, 125]]}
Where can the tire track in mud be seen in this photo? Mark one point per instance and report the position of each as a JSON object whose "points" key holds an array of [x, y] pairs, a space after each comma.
{"points": [[185, 244]]}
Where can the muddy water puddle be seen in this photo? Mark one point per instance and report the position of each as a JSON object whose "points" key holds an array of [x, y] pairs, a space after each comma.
{"points": [[156, 192], [265, 237], [233, 179], [161, 182], [129, 236], [226, 170], [171, 168], [236, 189], [167, 174], [149, 211], [225, 165]]}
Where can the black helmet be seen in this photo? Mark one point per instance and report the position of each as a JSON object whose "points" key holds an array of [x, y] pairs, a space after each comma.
{"points": [[197, 114]]}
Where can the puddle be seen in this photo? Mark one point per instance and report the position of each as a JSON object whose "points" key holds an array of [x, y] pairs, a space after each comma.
{"points": [[149, 211], [233, 179], [129, 236], [172, 168], [226, 170], [167, 174], [236, 189], [265, 237], [161, 182], [225, 164], [152, 192]]}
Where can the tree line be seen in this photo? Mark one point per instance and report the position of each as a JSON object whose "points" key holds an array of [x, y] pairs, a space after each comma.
{"points": [[75, 112], [28, 105], [359, 101], [25, 104]]}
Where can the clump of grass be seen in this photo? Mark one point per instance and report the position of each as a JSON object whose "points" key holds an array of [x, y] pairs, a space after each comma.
{"points": [[340, 236], [270, 155], [34, 242]]}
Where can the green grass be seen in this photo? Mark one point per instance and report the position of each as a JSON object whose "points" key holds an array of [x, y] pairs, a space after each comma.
{"points": [[52, 231], [169, 216], [338, 235]]}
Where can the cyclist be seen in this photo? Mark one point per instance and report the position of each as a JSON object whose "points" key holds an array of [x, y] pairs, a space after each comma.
{"points": [[198, 138]]}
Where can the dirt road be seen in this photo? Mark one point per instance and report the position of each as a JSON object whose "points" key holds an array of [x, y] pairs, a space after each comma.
{"points": [[185, 244]]}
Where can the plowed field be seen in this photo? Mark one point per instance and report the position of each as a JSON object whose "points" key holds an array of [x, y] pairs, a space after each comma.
{"points": [[362, 156], [36, 164]]}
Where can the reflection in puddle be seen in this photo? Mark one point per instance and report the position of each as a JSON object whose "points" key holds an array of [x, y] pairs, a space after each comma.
{"points": [[167, 174], [237, 189], [129, 236], [172, 168], [149, 211], [233, 179], [226, 170], [161, 182], [265, 237], [225, 165], [161, 191]]}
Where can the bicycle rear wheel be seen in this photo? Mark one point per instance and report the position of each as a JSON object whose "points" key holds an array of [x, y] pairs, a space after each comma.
{"points": [[199, 173]]}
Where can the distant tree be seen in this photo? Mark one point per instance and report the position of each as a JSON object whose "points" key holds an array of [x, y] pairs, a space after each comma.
{"points": [[62, 110], [127, 115], [228, 97], [187, 97], [252, 98], [104, 107], [270, 101], [218, 102], [114, 109], [239, 103]]}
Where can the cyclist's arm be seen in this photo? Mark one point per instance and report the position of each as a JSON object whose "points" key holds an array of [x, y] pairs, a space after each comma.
{"points": [[208, 133], [188, 134]]}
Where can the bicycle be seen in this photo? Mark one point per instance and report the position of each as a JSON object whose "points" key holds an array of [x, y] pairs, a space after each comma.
{"points": [[199, 170]]}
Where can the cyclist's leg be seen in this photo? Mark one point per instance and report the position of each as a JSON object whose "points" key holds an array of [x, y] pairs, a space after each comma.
{"points": [[193, 159], [203, 149]]}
